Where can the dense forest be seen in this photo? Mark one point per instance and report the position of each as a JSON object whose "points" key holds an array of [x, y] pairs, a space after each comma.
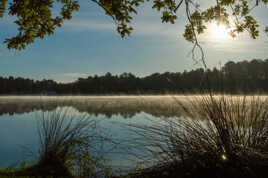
{"points": [[233, 77]]}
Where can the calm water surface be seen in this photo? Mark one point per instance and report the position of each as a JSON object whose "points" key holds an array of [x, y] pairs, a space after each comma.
{"points": [[19, 115]]}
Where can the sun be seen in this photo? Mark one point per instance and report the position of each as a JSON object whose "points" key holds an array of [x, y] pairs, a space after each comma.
{"points": [[219, 32]]}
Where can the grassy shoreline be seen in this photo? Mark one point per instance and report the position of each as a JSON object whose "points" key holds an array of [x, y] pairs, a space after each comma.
{"points": [[219, 136]]}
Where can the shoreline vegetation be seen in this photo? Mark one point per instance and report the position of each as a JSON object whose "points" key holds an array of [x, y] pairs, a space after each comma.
{"points": [[219, 136], [65, 148], [247, 77]]}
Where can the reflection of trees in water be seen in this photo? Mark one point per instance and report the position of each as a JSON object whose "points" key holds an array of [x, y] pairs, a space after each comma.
{"points": [[127, 108], [25, 107]]}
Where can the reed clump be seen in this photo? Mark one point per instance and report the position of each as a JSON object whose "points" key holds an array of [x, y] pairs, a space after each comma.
{"points": [[66, 142], [218, 136]]}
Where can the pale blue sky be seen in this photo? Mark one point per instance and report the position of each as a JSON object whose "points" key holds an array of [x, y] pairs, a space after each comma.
{"points": [[89, 45]]}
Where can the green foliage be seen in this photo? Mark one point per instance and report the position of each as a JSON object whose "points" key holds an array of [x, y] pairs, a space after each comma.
{"points": [[85, 165], [239, 9], [266, 29], [2, 7], [121, 11], [35, 19]]}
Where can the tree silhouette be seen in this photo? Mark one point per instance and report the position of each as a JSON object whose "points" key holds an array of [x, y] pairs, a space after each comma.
{"points": [[233, 77]]}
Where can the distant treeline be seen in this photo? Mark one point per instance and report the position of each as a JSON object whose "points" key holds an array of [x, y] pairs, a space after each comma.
{"points": [[233, 77]]}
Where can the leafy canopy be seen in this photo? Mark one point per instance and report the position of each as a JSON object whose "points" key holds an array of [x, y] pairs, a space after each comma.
{"points": [[35, 18]]}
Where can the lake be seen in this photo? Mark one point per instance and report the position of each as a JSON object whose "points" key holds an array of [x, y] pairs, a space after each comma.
{"points": [[113, 116]]}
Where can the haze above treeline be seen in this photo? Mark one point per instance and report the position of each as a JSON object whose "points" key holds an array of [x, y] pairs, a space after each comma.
{"points": [[233, 77]]}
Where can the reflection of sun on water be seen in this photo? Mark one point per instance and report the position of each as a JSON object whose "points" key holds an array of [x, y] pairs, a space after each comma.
{"points": [[218, 32]]}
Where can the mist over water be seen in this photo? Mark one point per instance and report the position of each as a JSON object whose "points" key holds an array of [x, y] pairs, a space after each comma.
{"points": [[112, 114], [19, 116]]}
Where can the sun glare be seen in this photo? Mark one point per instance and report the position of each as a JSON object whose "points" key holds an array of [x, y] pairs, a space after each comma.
{"points": [[218, 32]]}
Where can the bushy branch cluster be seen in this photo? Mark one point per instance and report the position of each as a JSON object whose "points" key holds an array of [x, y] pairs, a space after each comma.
{"points": [[35, 18]]}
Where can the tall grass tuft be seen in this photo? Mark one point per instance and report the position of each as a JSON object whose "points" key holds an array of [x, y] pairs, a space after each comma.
{"points": [[218, 136], [60, 134], [68, 142]]}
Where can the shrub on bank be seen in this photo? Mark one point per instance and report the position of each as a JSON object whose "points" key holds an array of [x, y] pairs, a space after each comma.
{"points": [[218, 136]]}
